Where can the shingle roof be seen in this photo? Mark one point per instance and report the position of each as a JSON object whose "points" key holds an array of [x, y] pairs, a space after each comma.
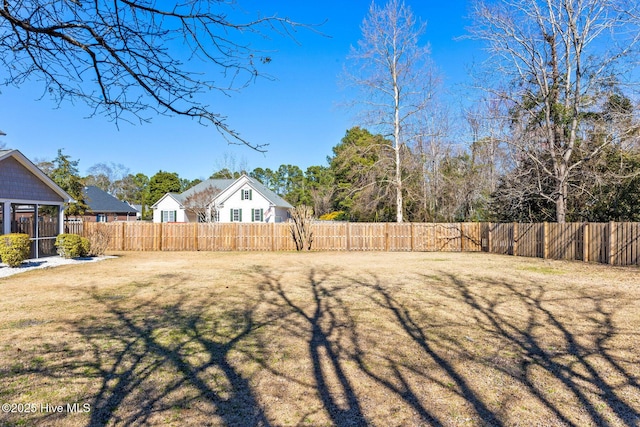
{"points": [[220, 184], [223, 184], [273, 197], [100, 201]]}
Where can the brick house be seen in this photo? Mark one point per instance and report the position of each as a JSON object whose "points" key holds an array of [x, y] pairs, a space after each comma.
{"points": [[103, 207]]}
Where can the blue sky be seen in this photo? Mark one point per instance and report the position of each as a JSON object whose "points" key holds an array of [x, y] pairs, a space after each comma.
{"points": [[298, 114]]}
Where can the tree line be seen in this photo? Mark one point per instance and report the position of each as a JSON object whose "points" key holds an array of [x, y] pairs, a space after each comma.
{"points": [[549, 129], [477, 184]]}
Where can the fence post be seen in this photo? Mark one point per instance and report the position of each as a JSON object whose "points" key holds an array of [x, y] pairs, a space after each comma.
{"points": [[585, 242], [412, 233], [348, 236], [122, 235], [273, 236], [515, 239], [234, 241], [489, 228], [545, 240], [461, 237], [612, 243], [195, 235], [386, 237]]}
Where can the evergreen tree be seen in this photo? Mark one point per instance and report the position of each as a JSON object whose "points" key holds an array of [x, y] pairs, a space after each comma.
{"points": [[65, 174]]}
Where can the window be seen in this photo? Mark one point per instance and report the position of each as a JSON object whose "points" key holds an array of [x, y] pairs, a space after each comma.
{"points": [[245, 194], [236, 215], [101, 218], [168, 216], [256, 215]]}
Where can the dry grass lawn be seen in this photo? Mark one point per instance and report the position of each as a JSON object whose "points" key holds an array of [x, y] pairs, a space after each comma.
{"points": [[322, 339]]}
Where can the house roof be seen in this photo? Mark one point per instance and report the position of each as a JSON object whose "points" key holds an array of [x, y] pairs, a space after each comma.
{"points": [[219, 184], [100, 201], [269, 195], [230, 186], [28, 164], [174, 196], [224, 185]]}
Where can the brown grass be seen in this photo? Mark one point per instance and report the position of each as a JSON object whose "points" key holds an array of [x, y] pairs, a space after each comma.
{"points": [[270, 339]]}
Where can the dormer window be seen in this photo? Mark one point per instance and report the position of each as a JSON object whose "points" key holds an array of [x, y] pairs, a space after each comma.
{"points": [[245, 194]]}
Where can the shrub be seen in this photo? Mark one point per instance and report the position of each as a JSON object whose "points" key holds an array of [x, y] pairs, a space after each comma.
{"points": [[334, 216], [14, 248], [98, 242], [302, 217], [72, 245], [86, 246]]}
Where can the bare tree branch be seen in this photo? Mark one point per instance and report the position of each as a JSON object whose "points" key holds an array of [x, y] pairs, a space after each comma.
{"points": [[397, 79], [558, 58], [127, 58]]}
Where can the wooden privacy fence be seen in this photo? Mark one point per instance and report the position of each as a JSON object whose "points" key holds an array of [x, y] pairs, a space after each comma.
{"points": [[615, 243], [609, 243], [141, 236]]}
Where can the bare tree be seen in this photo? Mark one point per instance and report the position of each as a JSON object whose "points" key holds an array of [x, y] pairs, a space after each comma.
{"points": [[430, 148], [199, 204], [301, 218], [126, 58], [393, 70], [107, 176], [557, 56]]}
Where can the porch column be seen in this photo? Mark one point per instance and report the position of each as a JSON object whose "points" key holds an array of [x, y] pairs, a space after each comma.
{"points": [[6, 218], [36, 231], [61, 220]]}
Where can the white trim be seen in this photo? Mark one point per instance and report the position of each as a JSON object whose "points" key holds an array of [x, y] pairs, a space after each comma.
{"points": [[223, 196], [237, 185], [164, 197], [31, 202]]}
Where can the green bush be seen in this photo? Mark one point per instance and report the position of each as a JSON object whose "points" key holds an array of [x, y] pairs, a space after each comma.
{"points": [[72, 245], [86, 246], [14, 248]]}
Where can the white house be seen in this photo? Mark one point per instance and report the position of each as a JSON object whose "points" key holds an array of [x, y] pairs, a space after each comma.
{"points": [[223, 200]]}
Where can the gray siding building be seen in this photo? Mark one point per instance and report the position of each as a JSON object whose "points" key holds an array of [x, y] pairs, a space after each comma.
{"points": [[30, 202]]}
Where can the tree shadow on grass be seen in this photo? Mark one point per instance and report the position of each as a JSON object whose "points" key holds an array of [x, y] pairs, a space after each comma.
{"points": [[570, 345], [323, 326], [431, 347], [157, 359], [334, 340]]}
